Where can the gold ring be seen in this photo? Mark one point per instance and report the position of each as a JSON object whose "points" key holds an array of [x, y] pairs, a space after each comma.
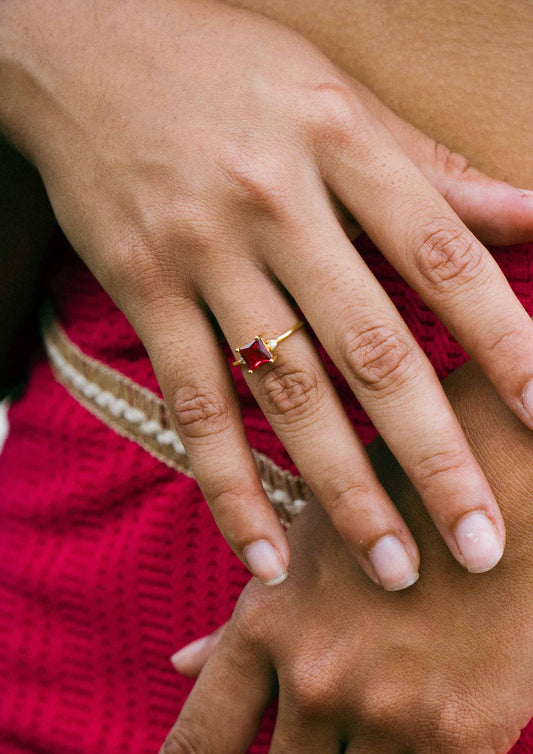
{"points": [[261, 351]]}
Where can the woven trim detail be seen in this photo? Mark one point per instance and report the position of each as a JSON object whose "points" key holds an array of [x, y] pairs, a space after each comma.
{"points": [[140, 415]]}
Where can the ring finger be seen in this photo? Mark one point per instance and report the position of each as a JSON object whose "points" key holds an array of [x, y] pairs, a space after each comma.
{"points": [[304, 410], [201, 397]]}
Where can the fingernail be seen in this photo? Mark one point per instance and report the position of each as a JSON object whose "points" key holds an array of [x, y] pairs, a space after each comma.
{"points": [[392, 564], [265, 563], [527, 399], [478, 542], [188, 652]]}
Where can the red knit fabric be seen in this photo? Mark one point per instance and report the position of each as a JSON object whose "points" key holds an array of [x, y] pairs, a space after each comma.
{"points": [[109, 560]]}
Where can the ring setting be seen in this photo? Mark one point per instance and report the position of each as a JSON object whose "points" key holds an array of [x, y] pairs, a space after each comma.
{"points": [[262, 350]]}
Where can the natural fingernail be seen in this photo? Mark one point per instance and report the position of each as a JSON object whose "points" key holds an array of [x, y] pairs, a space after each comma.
{"points": [[527, 398], [185, 655], [478, 542], [393, 566], [265, 563]]}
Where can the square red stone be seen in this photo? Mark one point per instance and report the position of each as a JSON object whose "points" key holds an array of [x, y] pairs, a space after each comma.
{"points": [[255, 354]]}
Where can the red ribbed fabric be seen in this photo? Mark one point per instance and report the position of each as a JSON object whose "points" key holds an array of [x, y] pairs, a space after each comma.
{"points": [[109, 560]]}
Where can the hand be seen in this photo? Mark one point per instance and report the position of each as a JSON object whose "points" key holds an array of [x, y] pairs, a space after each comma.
{"points": [[444, 667], [197, 156]]}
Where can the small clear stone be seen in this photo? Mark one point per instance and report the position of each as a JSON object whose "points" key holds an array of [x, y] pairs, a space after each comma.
{"points": [[271, 344]]}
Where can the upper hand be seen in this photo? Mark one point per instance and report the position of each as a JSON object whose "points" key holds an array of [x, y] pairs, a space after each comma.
{"points": [[196, 156]]}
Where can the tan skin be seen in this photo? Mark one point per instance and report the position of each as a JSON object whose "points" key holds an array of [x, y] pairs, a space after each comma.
{"points": [[459, 71], [83, 147], [482, 697], [229, 181], [444, 667]]}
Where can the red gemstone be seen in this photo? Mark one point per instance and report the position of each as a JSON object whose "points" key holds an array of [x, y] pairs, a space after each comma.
{"points": [[255, 353]]}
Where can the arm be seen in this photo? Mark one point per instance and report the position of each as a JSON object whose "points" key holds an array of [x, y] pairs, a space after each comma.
{"points": [[444, 667]]}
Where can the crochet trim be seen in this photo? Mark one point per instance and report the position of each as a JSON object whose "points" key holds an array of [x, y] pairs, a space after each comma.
{"points": [[140, 415]]}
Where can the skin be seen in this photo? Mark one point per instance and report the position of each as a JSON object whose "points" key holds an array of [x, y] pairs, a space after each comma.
{"points": [[443, 667], [459, 71], [385, 704], [234, 182]]}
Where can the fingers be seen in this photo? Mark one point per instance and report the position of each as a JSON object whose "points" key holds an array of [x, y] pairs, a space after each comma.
{"points": [[226, 705], [190, 660], [416, 229], [200, 393], [302, 407], [387, 371]]}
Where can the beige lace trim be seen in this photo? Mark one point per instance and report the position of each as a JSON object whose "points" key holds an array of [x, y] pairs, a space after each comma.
{"points": [[141, 416]]}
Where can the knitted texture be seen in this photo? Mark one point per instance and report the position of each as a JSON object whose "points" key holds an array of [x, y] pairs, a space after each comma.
{"points": [[109, 559]]}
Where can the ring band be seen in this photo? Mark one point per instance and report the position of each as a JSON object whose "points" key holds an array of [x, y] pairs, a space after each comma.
{"points": [[261, 351]]}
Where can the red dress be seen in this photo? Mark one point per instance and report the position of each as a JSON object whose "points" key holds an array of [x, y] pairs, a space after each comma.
{"points": [[109, 558]]}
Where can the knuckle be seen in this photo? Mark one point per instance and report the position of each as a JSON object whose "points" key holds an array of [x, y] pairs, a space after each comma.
{"points": [[450, 727], [431, 467], [226, 497], [314, 685], [448, 258], [290, 391], [339, 110], [185, 739], [251, 622], [380, 356], [262, 181], [386, 701], [452, 164], [141, 267], [459, 727], [346, 498], [508, 334], [200, 411]]}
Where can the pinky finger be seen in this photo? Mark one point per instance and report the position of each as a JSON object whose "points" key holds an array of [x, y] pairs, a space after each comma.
{"points": [[201, 397]]}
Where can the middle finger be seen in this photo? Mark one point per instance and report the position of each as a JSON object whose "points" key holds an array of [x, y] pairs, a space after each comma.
{"points": [[392, 378]]}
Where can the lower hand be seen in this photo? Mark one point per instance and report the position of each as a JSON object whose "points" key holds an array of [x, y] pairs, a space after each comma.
{"points": [[445, 667]]}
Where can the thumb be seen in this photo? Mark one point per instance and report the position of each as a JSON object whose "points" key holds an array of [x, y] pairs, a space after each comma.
{"points": [[496, 212], [191, 659]]}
